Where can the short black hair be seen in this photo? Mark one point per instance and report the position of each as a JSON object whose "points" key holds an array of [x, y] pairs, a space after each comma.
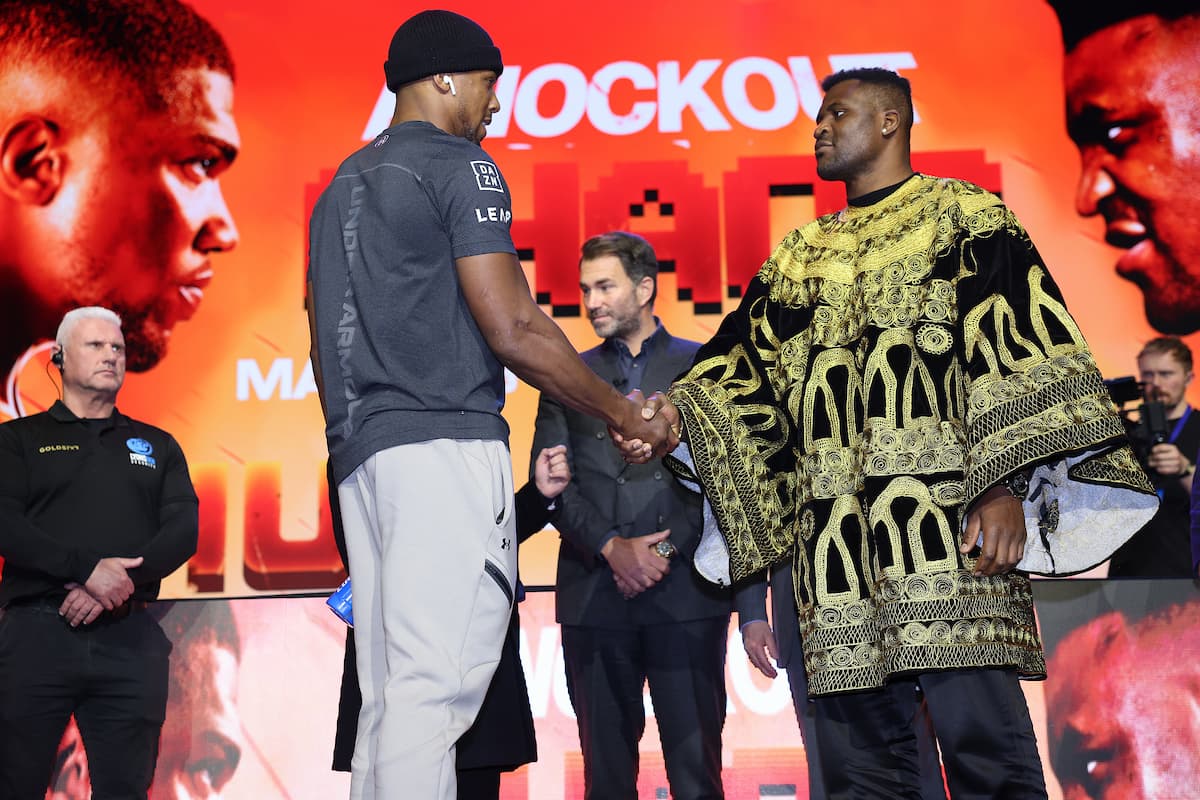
{"points": [[111, 43], [1079, 19], [635, 253], [892, 89]]}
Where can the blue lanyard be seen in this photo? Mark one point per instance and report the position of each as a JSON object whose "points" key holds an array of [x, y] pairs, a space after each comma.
{"points": [[1187, 412]]}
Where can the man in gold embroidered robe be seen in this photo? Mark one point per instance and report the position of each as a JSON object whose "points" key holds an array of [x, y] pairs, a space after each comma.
{"points": [[898, 376]]}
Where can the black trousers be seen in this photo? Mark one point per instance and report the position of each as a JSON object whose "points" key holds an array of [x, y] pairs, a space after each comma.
{"points": [[869, 747], [112, 675], [932, 786], [684, 664]]}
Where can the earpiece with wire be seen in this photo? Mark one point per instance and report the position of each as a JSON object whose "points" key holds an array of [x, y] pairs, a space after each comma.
{"points": [[56, 358]]}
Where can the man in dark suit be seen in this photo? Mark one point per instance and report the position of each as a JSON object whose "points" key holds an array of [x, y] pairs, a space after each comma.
{"points": [[632, 609]]}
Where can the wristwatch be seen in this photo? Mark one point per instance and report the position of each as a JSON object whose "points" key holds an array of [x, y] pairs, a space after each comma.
{"points": [[665, 549], [1017, 483]]}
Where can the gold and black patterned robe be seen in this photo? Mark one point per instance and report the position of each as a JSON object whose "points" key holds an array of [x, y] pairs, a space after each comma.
{"points": [[888, 365]]}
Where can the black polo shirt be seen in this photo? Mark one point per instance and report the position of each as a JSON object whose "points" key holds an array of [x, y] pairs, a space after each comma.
{"points": [[73, 491]]}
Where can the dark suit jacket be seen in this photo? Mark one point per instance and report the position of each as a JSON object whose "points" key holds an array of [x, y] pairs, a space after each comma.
{"points": [[606, 494]]}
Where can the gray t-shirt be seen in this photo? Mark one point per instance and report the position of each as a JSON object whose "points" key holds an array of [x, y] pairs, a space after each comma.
{"points": [[401, 357]]}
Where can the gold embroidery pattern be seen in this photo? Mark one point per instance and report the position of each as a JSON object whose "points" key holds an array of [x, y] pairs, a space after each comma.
{"points": [[905, 533], [1115, 468], [934, 339], [1059, 405], [728, 460], [910, 623], [886, 366], [831, 472], [927, 447]]}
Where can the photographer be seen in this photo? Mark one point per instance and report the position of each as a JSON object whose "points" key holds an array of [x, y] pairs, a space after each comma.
{"points": [[1166, 438]]}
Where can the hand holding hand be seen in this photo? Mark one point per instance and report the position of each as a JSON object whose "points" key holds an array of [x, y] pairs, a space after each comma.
{"points": [[635, 565], [551, 473], [109, 582], [637, 444], [80, 608], [759, 641], [997, 516], [627, 590]]}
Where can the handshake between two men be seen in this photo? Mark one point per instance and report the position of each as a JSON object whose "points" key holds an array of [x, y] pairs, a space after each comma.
{"points": [[994, 531], [641, 562]]}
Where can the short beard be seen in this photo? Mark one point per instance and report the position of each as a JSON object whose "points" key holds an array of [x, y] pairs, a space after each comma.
{"points": [[619, 328], [831, 170], [1173, 307], [469, 132], [145, 339], [1173, 321]]}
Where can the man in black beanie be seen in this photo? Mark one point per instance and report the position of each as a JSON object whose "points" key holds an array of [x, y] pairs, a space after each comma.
{"points": [[1133, 110], [417, 302]]}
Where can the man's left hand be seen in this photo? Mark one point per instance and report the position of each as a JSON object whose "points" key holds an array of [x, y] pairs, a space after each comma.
{"points": [[759, 641], [551, 472], [998, 516], [80, 608]]}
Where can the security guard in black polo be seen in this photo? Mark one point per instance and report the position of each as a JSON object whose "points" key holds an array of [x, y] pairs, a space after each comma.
{"points": [[95, 509]]}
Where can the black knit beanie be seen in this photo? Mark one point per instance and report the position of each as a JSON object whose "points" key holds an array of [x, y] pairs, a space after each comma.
{"points": [[434, 42]]}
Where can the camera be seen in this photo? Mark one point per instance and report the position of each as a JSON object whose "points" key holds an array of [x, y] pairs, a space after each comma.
{"points": [[1150, 427]]}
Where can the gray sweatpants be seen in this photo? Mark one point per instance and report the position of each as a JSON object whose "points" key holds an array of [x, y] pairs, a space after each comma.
{"points": [[433, 559]]}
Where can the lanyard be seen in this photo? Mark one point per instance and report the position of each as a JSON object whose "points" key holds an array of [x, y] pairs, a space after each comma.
{"points": [[1187, 412]]}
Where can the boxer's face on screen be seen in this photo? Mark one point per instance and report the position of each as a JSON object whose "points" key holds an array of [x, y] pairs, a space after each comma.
{"points": [[140, 212], [201, 742], [1123, 710], [1133, 110]]}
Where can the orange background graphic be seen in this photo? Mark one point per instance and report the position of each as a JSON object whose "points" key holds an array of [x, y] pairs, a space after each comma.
{"points": [[690, 124], [713, 196]]}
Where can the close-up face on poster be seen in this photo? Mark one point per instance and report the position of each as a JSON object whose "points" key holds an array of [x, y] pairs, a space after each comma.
{"points": [[694, 130], [178, 194]]}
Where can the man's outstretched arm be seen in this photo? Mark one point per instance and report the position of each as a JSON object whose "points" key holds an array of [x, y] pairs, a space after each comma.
{"points": [[528, 342]]}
